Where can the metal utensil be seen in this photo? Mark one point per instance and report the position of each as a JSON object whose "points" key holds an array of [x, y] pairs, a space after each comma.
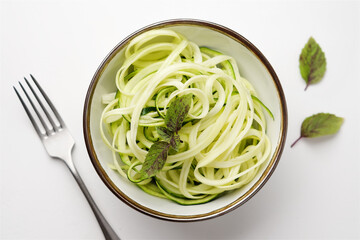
{"points": [[57, 141]]}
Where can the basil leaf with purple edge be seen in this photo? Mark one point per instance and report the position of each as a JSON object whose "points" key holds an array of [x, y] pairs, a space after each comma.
{"points": [[155, 159], [175, 142], [170, 137], [176, 113], [164, 133], [158, 152], [319, 125], [312, 62]]}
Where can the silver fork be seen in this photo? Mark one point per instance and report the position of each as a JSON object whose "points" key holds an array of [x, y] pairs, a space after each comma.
{"points": [[59, 143]]}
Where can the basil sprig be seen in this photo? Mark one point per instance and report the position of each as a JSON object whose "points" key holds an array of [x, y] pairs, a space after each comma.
{"points": [[158, 152]]}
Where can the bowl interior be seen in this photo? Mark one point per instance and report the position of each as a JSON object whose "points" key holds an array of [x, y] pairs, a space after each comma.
{"points": [[252, 65]]}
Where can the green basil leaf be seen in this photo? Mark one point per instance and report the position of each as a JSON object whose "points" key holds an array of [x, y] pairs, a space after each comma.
{"points": [[312, 62], [175, 142], [320, 124], [158, 152], [177, 112], [164, 133], [155, 159]]}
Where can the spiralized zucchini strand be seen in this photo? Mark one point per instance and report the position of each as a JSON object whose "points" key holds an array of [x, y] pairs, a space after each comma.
{"points": [[224, 139]]}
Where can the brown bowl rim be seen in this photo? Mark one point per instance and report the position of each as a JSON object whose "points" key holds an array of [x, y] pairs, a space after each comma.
{"points": [[171, 217]]}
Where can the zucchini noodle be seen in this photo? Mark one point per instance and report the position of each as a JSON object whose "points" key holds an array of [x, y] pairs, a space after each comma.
{"points": [[223, 137]]}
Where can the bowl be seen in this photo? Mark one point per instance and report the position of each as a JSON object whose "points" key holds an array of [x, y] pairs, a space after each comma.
{"points": [[252, 64]]}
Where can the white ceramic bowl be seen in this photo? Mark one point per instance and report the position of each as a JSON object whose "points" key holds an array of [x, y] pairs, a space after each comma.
{"points": [[253, 66]]}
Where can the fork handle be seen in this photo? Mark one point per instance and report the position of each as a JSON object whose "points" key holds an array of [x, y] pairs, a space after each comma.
{"points": [[108, 232]]}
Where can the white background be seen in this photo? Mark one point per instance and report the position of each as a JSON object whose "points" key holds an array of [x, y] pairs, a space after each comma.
{"points": [[314, 192]]}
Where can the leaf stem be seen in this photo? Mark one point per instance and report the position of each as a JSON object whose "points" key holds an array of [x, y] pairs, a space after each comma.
{"points": [[307, 85], [296, 141]]}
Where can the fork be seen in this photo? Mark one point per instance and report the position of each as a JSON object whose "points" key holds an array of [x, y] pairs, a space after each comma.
{"points": [[58, 143]]}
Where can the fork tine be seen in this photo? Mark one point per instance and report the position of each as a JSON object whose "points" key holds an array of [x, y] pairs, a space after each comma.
{"points": [[47, 130], [41, 135], [62, 124], [42, 106]]}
